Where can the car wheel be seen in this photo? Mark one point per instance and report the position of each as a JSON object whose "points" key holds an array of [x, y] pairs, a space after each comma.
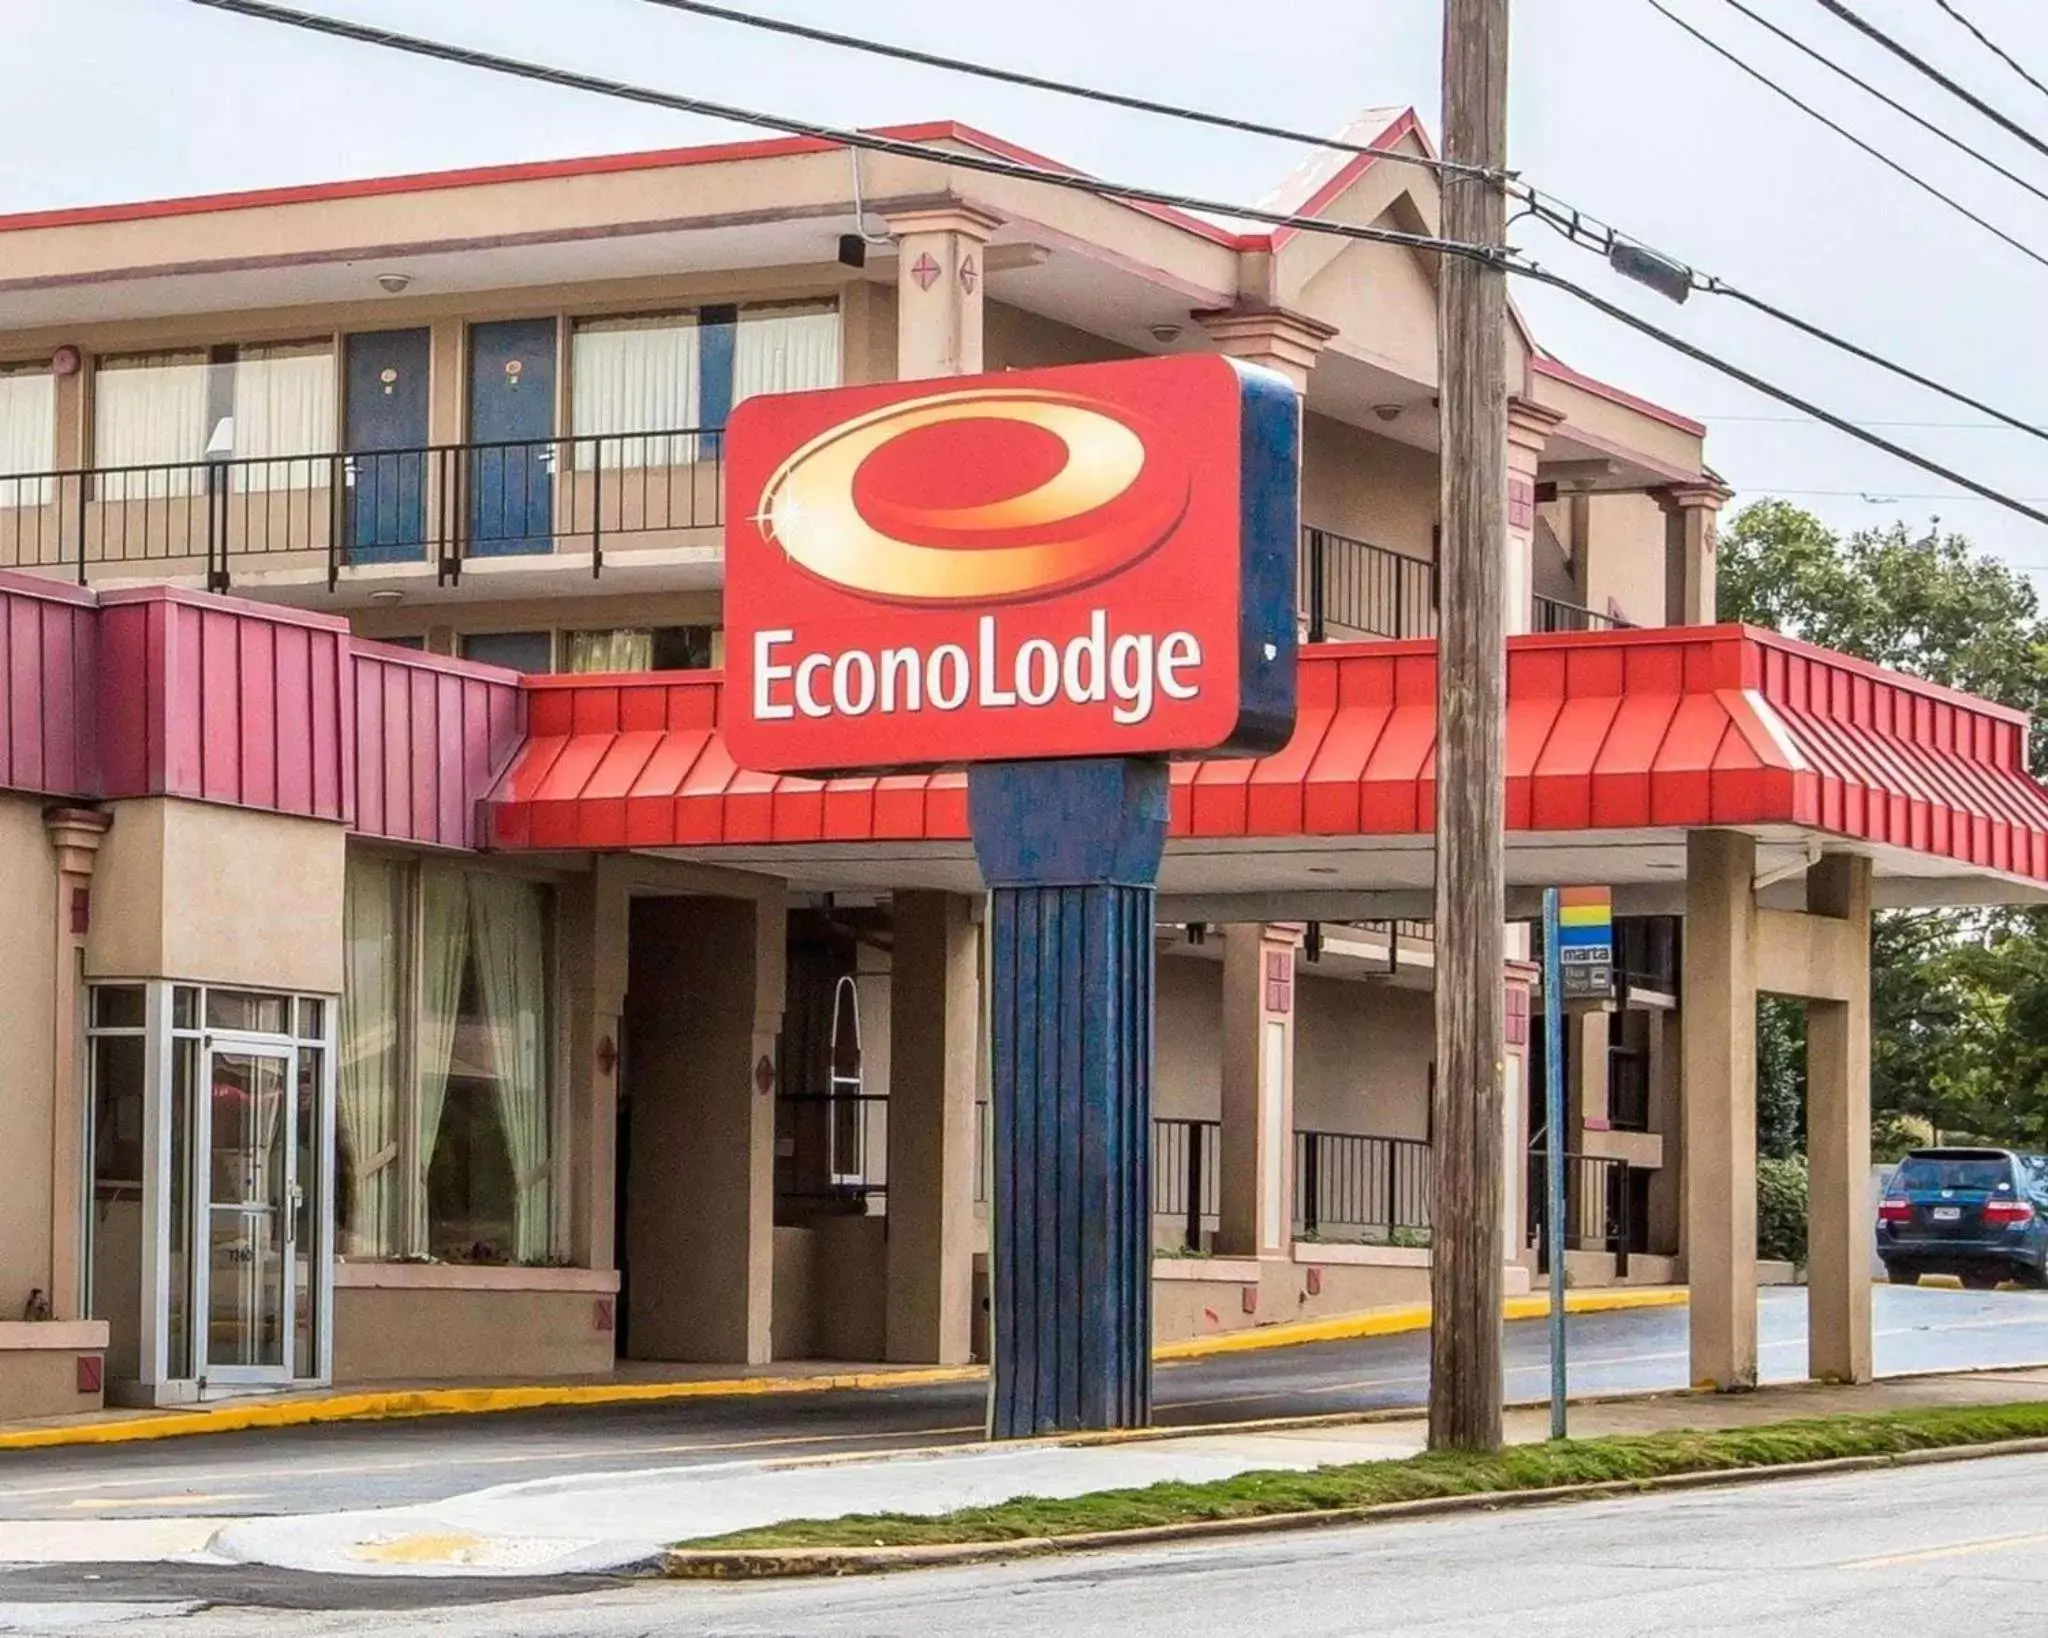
{"points": [[1980, 1279], [1901, 1276]]}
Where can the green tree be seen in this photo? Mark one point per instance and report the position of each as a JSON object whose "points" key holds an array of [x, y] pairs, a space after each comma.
{"points": [[1959, 998]]}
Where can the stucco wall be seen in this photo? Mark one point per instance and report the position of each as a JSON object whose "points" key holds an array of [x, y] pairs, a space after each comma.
{"points": [[1625, 557], [1013, 339], [383, 1335], [1361, 1057], [1372, 489], [218, 895], [28, 890], [1187, 1065]]}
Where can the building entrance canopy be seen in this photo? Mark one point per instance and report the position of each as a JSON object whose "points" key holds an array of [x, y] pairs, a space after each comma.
{"points": [[1619, 743]]}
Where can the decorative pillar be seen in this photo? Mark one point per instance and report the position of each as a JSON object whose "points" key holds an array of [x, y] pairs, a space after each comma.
{"points": [[1272, 336], [593, 922], [1689, 513], [1256, 1166], [941, 274], [1070, 851], [1586, 1106], [1529, 429], [1719, 1097], [75, 835], [934, 1039], [1838, 1133]]}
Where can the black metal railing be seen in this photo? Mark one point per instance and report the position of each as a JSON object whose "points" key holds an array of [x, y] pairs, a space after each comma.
{"points": [[1555, 614], [1187, 1178], [1354, 1185], [444, 504], [1597, 1204], [1348, 588]]}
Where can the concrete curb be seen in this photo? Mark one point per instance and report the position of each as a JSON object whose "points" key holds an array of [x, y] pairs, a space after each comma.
{"points": [[372, 1405], [683, 1564]]}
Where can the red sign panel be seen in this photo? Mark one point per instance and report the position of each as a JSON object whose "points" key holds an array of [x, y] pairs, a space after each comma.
{"points": [[1046, 563]]}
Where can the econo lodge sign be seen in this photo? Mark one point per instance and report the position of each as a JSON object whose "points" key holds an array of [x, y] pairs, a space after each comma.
{"points": [[1094, 561]]}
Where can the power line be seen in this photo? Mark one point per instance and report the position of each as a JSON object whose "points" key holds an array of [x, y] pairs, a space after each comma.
{"points": [[1889, 101], [1547, 207], [1992, 46], [1861, 421], [1871, 31], [1065, 88], [1847, 135], [463, 56], [873, 142]]}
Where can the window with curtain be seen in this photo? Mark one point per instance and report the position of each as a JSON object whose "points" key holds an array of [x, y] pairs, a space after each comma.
{"points": [[446, 1116], [785, 350], [634, 375], [28, 435], [283, 413], [150, 410], [658, 648]]}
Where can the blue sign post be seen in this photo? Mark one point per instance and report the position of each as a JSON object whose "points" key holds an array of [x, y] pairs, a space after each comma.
{"points": [[1553, 1148]]}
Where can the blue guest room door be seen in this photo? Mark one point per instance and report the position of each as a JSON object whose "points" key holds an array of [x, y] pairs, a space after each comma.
{"points": [[385, 436], [512, 404]]}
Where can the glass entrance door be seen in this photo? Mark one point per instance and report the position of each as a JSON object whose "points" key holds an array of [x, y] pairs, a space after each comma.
{"points": [[248, 1154]]}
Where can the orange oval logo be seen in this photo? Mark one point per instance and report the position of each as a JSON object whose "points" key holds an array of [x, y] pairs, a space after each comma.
{"points": [[985, 495]]}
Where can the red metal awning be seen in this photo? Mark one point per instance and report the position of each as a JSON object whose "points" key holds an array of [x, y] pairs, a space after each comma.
{"points": [[1670, 729]]}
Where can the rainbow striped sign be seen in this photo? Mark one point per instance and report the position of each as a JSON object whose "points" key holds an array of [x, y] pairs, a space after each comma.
{"points": [[1585, 943]]}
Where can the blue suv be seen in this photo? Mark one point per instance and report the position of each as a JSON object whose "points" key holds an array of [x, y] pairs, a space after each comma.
{"points": [[1979, 1214]]}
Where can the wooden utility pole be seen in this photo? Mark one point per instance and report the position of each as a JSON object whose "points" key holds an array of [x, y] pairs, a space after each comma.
{"points": [[1466, 1241]]}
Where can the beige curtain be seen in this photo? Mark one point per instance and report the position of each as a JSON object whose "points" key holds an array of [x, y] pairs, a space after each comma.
{"points": [[444, 952], [284, 407], [608, 651], [785, 352], [634, 375], [372, 1027], [28, 435], [150, 410], [508, 919]]}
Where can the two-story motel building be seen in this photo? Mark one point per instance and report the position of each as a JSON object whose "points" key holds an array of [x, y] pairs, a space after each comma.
{"points": [[400, 981]]}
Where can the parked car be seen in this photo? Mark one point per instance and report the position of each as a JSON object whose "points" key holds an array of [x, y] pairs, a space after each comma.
{"points": [[1979, 1214]]}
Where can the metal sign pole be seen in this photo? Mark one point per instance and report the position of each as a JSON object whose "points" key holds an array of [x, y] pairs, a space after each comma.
{"points": [[1553, 1152]]}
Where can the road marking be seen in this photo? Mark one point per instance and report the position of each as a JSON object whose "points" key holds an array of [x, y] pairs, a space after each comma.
{"points": [[1954, 1549], [182, 1499]]}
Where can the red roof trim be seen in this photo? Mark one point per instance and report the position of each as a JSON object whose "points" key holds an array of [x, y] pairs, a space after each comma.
{"points": [[1409, 124], [1545, 365], [545, 170]]}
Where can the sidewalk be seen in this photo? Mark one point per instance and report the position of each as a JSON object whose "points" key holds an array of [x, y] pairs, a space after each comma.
{"points": [[651, 1384], [613, 1521]]}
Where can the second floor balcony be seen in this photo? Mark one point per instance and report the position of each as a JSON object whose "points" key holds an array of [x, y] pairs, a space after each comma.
{"points": [[386, 514]]}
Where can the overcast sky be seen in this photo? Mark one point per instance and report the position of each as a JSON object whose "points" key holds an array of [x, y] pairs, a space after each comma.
{"points": [[1612, 108]]}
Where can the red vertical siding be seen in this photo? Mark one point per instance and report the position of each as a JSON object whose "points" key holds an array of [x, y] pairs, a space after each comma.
{"points": [[49, 665], [431, 736]]}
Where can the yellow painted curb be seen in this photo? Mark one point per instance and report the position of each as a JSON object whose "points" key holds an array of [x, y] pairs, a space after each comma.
{"points": [[1386, 1322], [372, 1405]]}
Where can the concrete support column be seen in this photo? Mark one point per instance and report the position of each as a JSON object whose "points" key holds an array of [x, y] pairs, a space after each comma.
{"points": [[1256, 1166], [1719, 1096], [1271, 336], [1838, 1135], [1667, 1185], [705, 1011], [1689, 513], [75, 835], [934, 1039], [593, 911], [1518, 1086], [1586, 1092], [1529, 429], [941, 274]]}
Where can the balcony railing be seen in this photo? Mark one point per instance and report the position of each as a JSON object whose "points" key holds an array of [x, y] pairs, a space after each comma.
{"points": [[1598, 1202], [1350, 589], [1355, 1186], [444, 504], [1187, 1174], [1554, 614]]}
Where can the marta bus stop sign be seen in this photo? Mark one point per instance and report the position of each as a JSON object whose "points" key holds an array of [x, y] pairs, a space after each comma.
{"points": [[1585, 943], [1060, 579]]}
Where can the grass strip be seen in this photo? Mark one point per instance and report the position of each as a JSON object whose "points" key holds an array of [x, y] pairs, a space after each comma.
{"points": [[1615, 1457]]}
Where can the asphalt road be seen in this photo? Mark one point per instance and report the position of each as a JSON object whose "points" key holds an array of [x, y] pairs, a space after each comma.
{"points": [[322, 1469], [1948, 1548]]}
